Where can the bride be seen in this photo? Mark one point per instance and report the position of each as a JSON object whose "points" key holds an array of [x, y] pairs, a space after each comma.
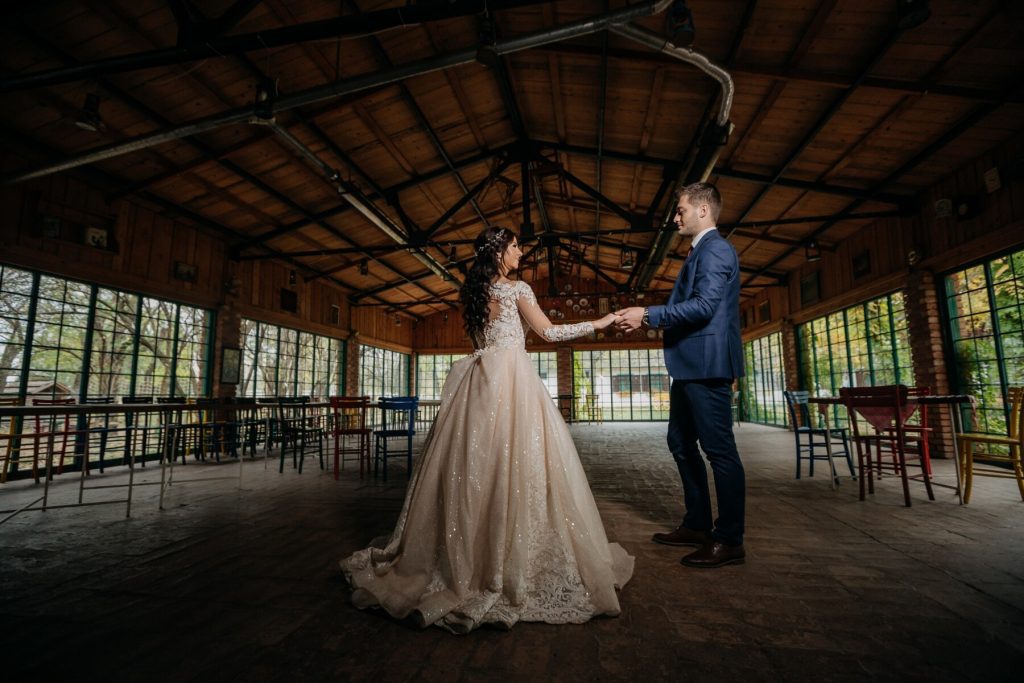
{"points": [[499, 524]]}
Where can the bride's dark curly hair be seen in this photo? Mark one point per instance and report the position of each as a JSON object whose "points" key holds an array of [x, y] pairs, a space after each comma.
{"points": [[475, 293]]}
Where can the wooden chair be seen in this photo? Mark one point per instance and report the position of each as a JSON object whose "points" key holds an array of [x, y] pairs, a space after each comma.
{"points": [[971, 442], [811, 439], [138, 430], [300, 428], [251, 427], [349, 420], [53, 428], [8, 450], [916, 434], [398, 422], [188, 432], [878, 418], [99, 424]]}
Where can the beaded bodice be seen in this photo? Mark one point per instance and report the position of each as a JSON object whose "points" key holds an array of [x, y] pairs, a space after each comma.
{"points": [[507, 329]]}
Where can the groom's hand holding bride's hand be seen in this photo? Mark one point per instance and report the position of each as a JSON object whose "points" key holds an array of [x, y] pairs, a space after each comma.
{"points": [[629, 319]]}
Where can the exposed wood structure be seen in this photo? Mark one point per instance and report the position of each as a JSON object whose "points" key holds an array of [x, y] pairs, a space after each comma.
{"points": [[398, 131]]}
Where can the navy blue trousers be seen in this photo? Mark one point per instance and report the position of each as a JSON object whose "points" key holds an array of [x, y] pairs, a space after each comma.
{"points": [[701, 410]]}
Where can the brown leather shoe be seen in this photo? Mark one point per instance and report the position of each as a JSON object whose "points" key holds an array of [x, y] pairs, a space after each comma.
{"points": [[715, 555], [683, 536]]}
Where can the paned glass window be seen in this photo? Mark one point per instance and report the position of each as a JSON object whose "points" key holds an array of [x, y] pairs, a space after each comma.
{"points": [[985, 305], [764, 381]]}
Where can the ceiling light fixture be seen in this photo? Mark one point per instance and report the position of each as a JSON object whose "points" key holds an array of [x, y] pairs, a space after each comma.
{"points": [[911, 13], [90, 118], [266, 99], [679, 24], [812, 251]]}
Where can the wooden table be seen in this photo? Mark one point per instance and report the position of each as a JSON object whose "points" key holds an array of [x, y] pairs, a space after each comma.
{"points": [[949, 400]]}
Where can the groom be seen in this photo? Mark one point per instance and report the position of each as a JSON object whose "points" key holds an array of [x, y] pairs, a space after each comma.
{"points": [[703, 353]]}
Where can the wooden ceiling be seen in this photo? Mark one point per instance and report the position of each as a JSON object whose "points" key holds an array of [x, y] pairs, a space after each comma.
{"points": [[837, 113]]}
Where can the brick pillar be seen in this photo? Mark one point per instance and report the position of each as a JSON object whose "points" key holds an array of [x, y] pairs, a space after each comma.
{"points": [[790, 353], [563, 359], [228, 333], [352, 346], [924, 327]]}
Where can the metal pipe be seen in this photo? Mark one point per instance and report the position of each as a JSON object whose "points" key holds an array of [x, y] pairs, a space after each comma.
{"points": [[656, 42], [360, 203], [349, 86], [712, 138]]}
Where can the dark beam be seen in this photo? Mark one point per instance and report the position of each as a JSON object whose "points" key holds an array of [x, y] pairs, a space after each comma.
{"points": [[824, 118], [962, 126], [726, 172], [794, 75], [466, 198], [333, 28], [597, 196]]}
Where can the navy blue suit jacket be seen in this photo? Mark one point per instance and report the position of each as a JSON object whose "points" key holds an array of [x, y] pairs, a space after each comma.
{"points": [[702, 316]]}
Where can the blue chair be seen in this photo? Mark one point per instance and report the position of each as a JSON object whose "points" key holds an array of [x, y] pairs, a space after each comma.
{"points": [[810, 438], [398, 422]]}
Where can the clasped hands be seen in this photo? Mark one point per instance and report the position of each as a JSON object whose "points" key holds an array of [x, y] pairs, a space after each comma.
{"points": [[624, 319]]}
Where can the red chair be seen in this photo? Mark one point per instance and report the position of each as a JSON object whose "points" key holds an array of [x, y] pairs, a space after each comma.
{"points": [[878, 417], [54, 427], [349, 417], [916, 434]]}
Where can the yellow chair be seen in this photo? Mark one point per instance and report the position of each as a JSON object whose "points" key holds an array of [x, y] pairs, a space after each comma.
{"points": [[970, 443]]}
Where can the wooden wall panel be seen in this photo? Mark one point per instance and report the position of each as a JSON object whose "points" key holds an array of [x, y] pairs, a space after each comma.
{"points": [[377, 328], [142, 245], [259, 285], [940, 243]]}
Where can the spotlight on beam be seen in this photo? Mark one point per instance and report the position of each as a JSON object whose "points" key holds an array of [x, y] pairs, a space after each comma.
{"points": [[679, 24]]}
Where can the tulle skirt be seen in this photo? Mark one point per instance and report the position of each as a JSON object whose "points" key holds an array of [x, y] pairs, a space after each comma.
{"points": [[499, 524]]}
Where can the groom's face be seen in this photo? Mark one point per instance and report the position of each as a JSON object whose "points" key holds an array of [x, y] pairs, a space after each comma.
{"points": [[687, 219]]}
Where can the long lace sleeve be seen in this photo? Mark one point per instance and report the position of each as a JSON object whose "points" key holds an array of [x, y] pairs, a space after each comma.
{"points": [[534, 316]]}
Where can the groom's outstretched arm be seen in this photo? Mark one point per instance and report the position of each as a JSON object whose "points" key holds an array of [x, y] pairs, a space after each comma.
{"points": [[718, 264]]}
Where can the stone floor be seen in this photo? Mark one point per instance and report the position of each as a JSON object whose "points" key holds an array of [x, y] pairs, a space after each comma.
{"points": [[243, 585]]}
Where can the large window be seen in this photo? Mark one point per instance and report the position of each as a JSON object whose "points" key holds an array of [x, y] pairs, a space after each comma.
{"points": [[431, 372], [546, 363], [764, 381], [627, 384], [864, 345], [71, 338], [383, 372], [16, 288], [279, 361], [76, 340], [113, 342], [985, 305]]}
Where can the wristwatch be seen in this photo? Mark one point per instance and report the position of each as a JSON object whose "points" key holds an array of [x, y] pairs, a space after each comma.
{"points": [[646, 320]]}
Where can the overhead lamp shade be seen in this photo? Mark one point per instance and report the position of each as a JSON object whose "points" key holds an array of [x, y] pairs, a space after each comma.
{"points": [[90, 118], [911, 13], [812, 251], [679, 24]]}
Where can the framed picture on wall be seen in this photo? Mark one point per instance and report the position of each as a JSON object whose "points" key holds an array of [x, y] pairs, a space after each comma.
{"points": [[861, 264], [809, 289], [230, 365]]}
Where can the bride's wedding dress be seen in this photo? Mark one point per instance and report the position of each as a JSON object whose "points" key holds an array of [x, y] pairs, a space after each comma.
{"points": [[499, 524]]}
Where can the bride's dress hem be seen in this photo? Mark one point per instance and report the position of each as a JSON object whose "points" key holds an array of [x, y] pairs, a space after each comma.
{"points": [[499, 524]]}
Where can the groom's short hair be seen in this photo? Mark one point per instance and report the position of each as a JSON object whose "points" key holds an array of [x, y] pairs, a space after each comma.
{"points": [[703, 193]]}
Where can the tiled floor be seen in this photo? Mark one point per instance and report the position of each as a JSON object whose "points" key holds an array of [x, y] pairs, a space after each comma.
{"points": [[227, 584]]}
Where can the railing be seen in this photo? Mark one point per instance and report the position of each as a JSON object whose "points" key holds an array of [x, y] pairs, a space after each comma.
{"points": [[69, 439]]}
